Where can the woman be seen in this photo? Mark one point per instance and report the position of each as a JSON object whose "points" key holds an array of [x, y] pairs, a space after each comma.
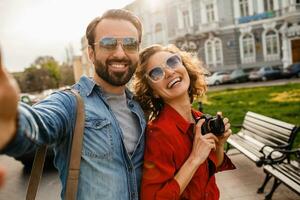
{"points": [[179, 161]]}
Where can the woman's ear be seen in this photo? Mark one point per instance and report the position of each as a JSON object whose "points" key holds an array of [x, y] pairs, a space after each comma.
{"points": [[156, 95]]}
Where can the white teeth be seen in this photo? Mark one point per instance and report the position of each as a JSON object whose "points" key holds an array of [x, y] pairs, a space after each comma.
{"points": [[173, 82], [119, 66]]}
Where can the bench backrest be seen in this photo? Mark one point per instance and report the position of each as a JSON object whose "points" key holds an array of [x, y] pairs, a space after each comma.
{"points": [[269, 131]]}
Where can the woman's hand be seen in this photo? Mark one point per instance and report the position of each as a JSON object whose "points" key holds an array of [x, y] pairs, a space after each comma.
{"points": [[202, 144], [223, 138]]}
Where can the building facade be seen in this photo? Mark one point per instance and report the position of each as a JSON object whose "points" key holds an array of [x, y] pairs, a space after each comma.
{"points": [[82, 64], [225, 34]]}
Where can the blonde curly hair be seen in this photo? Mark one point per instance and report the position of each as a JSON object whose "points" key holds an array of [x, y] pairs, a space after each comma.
{"points": [[144, 93]]}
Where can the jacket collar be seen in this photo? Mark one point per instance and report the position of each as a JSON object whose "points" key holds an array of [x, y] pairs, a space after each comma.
{"points": [[87, 86]]}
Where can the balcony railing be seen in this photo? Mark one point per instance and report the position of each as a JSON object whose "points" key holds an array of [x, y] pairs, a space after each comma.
{"points": [[256, 17], [180, 32], [208, 27], [270, 14]]}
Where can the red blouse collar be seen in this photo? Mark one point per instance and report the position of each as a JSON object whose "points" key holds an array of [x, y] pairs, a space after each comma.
{"points": [[181, 123]]}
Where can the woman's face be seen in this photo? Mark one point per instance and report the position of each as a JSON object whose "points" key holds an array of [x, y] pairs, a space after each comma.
{"points": [[167, 76]]}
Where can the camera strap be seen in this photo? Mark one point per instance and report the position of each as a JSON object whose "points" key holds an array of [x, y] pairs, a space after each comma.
{"points": [[74, 162]]}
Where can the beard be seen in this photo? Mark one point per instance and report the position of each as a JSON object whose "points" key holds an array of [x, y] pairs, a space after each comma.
{"points": [[115, 78]]}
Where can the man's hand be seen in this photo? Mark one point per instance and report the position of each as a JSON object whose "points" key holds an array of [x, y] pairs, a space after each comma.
{"points": [[9, 96], [1, 177]]}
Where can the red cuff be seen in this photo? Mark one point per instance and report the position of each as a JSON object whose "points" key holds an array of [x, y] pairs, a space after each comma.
{"points": [[171, 190], [226, 164]]}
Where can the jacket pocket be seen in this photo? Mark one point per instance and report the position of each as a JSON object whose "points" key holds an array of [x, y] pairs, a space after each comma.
{"points": [[98, 139]]}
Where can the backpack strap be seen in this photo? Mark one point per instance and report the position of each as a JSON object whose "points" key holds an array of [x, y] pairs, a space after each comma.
{"points": [[74, 162]]}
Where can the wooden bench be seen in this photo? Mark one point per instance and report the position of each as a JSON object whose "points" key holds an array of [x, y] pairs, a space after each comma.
{"points": [[284, 171], [259, 135]]}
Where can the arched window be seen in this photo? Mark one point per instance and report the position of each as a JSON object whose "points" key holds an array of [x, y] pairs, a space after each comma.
{"points": [[209, 47], [247, 48], [158, 33], [218, 48], [213, 51], [271, 45]]}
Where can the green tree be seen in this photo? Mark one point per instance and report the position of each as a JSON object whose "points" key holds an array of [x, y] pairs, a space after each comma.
{"points": [[51, 65], [67, 75]]}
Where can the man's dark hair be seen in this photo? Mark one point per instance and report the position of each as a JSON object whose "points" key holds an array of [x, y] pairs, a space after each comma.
{"points": [[120, 14]]}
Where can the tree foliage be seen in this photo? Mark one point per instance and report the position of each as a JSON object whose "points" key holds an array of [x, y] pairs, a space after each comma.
{"points": [[45, 73]]}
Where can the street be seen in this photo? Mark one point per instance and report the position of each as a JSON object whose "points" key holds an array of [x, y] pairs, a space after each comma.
{"points": [[16, 182], [254, 84]]}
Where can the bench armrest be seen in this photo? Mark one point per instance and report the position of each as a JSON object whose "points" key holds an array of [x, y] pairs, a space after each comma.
{"points": [[264, 159], [278, 147], [285, 154]]}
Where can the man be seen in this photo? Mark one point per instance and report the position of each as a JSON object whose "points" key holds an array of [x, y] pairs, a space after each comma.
{"points": [[113, 143]]}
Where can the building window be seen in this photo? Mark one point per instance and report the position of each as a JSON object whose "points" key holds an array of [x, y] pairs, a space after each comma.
{"points": [[158, 33], [271, 45], [186, 19], [209, 54], [244, 8], [210, 14], [218, 48], [268, 5], [247, 48], [213, 51]]}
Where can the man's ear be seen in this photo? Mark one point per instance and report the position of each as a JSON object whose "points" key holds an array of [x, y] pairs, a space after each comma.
{"points": [[91, 54]]}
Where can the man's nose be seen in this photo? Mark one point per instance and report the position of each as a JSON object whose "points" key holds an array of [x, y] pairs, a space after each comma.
{"points": [[119, 51]]}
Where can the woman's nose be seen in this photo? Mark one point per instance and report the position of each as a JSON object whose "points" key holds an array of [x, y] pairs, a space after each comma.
{"points": [[169, 71]]}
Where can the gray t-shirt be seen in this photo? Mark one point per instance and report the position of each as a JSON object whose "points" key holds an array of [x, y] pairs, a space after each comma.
{"points": [[127, 120]]}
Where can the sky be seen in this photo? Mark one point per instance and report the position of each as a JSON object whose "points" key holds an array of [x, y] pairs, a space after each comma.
{"points": [[32, 28]]}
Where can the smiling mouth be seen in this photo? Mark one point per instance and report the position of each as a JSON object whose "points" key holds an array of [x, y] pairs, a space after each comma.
{"points": [[118, 66], [174, 82]]}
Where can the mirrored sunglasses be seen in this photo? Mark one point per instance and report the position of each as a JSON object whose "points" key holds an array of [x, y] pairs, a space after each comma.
{"points": [[111, 43], [158, 73]]}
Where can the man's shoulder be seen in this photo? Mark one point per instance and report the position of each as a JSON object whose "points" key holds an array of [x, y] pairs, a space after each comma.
{"points": [[84, 86]]}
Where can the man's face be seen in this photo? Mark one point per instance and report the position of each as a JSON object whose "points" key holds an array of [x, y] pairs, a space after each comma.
{"points": [[115, 66]]}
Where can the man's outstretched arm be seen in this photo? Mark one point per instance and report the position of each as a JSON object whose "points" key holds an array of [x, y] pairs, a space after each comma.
{"points": [[22, 127]]}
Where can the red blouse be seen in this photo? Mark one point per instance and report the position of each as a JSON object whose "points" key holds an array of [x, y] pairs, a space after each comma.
{"points": [[168, 145]]}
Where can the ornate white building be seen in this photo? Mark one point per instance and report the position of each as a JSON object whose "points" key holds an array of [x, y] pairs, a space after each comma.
{"points": [[226, 34]]}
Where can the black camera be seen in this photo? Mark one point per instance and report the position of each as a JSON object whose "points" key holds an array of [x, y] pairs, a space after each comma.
{"points": [[212, 124]]}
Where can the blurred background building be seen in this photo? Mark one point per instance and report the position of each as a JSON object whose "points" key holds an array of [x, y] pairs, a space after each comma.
{"points": [[225, 34]]}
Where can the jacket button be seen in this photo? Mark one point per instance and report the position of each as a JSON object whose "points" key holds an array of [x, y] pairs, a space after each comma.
{"points": [[133, 195], [131, 105]]}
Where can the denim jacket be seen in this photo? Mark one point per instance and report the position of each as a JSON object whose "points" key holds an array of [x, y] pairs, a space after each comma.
{"points": [[107, 171]]}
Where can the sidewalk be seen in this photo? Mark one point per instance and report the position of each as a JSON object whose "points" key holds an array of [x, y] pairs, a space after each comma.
{"points": [[243, 182]]}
